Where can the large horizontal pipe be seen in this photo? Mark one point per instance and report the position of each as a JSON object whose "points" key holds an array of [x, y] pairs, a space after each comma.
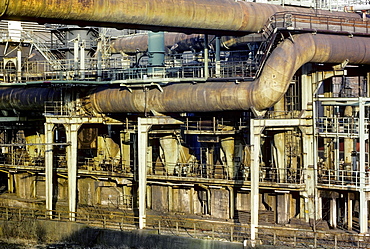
{"points": [[26, 98], [260, 94], [179, 42], [214, 16], [139, 43]]}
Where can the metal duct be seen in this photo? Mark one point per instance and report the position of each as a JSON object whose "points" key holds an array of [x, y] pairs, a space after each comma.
{"points": [[216, 16], [262, 93], [179, 42], [26, 99], [139, 43]]}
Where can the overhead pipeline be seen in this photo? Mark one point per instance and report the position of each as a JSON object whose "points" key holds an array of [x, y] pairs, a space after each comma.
{"points": [[173, 41], [260, 94], [216, 16], [179, 42], [26, 99]]}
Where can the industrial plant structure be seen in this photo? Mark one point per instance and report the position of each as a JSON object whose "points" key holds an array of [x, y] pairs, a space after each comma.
{"points": [[225, 109]]}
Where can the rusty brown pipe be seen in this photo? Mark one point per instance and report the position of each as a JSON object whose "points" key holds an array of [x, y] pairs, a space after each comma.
{"points": [[262, 93], [215, 16], [179, 42], [139, 43]]}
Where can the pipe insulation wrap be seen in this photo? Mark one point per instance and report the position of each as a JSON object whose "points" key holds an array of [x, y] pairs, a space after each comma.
{"points": [[261, 93], [157, 15]]}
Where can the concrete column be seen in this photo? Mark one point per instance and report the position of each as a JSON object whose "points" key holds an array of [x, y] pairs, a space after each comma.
{"points": [[10, 183], [191, 198], [255, 137], [333, 212], [231, 202], [142, 130], [282, 208], [125, 151], [49, 139], [319, 208], [310, 193], [71, 134], [349, 213], [170, 198], [362, 139]]}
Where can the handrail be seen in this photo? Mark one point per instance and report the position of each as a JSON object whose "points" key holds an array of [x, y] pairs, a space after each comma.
{"points": [[230, 230]]}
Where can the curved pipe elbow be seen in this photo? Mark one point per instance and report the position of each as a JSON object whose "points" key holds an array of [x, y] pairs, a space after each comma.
{"points": [[261, 94]]}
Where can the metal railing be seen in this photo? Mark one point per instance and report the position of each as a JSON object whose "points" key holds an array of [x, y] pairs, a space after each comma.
{"points": [[282, 175], [345, 178], [301, 21], [340, 126], [196, 228]]}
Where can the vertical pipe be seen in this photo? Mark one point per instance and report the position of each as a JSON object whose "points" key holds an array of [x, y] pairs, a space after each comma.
{"points": [[218, 57], [76, 49], [206, 51], [82, 60], [99, 59], [19, 65], [156, 52]]}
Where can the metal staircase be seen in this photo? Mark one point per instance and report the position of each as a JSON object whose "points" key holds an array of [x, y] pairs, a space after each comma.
{"points": [[44, 51], [269, 35]]}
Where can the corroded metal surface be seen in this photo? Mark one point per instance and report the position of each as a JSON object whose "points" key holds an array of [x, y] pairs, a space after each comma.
{"points": [[179, 42], [262, 93], [180, 15], [24, 99]]}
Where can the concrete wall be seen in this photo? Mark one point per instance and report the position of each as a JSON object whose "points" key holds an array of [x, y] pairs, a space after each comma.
{"points": [[53, 231]]}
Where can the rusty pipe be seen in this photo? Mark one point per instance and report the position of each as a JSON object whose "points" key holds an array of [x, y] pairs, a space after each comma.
{"points": [[139, 43], [27, 98], [195, 16], [260, 94], [179, 42]]}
